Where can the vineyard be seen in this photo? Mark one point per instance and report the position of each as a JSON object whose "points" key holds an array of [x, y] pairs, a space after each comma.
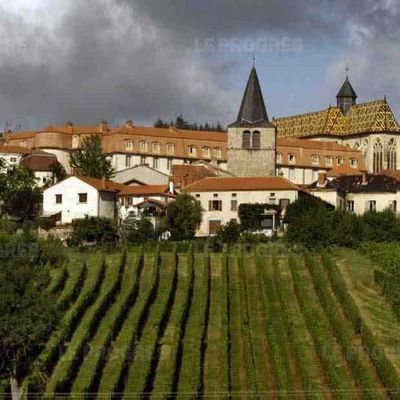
{"points": [[225, 325]]}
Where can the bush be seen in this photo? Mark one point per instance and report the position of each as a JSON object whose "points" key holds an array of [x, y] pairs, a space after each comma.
{"points": [[230, 232], [95, 230], [138, 230]]}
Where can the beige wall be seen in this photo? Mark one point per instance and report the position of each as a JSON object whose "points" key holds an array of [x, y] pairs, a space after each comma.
{"points": [[226, 214]]}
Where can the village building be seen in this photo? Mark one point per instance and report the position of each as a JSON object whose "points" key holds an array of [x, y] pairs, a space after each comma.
{"points": [[12, 155], [40, 163], [141, 175]]}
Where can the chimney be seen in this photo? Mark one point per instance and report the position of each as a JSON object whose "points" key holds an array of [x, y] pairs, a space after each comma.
{"points": [[321, 179], [103, 127], [129, 123], [70, 126]]}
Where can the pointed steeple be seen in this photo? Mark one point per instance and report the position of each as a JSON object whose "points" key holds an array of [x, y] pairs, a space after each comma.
{"points": [[346, 97], [252, 110]]}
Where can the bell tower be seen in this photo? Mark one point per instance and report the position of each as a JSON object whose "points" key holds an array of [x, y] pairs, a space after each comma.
{"points": [[346, 97], [252, 138]]}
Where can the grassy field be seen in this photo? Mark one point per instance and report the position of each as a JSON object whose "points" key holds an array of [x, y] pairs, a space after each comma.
{"points": [[230, 325]]}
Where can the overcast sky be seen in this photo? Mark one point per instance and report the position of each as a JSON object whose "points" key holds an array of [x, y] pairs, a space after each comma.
{"points": [[87, 60]]}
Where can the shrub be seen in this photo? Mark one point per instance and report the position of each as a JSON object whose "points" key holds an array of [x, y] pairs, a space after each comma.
{"points": [[138, 230], [230, 232]]}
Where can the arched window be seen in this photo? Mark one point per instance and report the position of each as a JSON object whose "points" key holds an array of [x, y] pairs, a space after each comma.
{"points": [[246, 140], [256, 139], [391, 155], [378, 156]]}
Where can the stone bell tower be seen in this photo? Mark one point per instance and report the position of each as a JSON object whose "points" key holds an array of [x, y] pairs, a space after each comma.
{"points": [[252, 138]]}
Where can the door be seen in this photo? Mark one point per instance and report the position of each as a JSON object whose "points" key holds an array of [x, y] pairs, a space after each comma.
{"points": [[213, 227]]}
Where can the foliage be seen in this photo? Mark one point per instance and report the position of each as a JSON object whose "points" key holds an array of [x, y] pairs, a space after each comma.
{"points": [[19, 192], [230, 232], [27, 311], [96, 230], [249, 214], [90, 160], [138, 230], [183, 216], [59, 172], [181, 123]]}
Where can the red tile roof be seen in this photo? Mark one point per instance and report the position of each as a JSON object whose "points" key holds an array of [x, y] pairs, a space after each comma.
{"points": [[101, 184], [185, 174], [221, 184], [40, 161], [143, 190], [343, 170], [14, 149]]}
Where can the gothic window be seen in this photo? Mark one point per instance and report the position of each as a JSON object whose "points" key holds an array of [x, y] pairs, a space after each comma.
{"points": [[391, 155], [246, 140], [256, 139], [378, 156]]}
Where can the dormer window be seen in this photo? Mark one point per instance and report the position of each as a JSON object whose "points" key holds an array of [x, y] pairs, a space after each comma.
{"points": [[23, 143], [156, 147], [314, 160], [353, 163], [128, 145], [75, 141], [339, 161], [143, 145], [292, 158], [206, 151], [170, 148], [328, 161], [217, 152], [192, 150], [279, 158]]}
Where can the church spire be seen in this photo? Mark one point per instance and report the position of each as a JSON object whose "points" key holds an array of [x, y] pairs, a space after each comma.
{"points": [[346, 96], [252, 110]]}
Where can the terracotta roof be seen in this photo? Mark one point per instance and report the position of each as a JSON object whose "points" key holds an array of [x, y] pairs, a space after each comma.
{"points": [[374, 116], [100, 184], [14, 149], [393, 173], [155, 201], [187, 174], [312, 144], [143, 190], [343, 170], [39, 161], [221, 184]]}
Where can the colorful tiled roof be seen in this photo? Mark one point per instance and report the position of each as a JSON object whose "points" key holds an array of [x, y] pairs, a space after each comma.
{"points": [[220, 184], [374, 116]]}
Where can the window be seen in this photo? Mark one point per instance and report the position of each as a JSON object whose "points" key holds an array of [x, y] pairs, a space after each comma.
{"points": [[350, 205], [13, 160], [197, 195], [82, 197], [370, 205], [156, 162], [353, 162], [393, 205], [215, 195], [391, 155], [314, 175], [233, 205], [246, 138], [256, 140], [128, 160], [23, 143], [156, 147], [206, 151], [234, 195], [75, 141], [328, 161], [170, 148], [292, 173], [215, 205], [314, 160], [128, 201], [169, 163], [339, 160], [279, 158], [143, 146], [58, 198], [217, 152], [378, 156], [192, 150], [283, 203], [291, 158], [128, 145]]}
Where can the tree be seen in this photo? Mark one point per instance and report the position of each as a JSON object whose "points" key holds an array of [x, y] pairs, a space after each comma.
{"points": [[183, 217], [138, 230], [95, 230], [230, 232], [19, 192], [27, 311], [90, 159], [58, 171]]}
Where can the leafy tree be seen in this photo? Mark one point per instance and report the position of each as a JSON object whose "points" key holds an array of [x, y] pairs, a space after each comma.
{"points": [[138, 230], [90, 159], [230, 232], [58, 171], [27, 311], [19, 192], [95, 230], [183, 217]]}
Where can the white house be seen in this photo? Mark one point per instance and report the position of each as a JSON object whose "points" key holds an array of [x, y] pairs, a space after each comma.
{"points": [[220, 198], [78, 196], [12, 155]]}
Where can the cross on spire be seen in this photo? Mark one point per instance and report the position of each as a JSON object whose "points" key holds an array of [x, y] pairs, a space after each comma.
{"points": [[347, 69], [254, 60]]}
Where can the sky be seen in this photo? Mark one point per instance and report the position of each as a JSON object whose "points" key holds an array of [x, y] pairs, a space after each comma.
{"points": [[90, 60]]}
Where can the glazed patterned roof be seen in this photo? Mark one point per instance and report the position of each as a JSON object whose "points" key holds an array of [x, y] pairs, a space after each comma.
{"points": [[374, 116]]}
